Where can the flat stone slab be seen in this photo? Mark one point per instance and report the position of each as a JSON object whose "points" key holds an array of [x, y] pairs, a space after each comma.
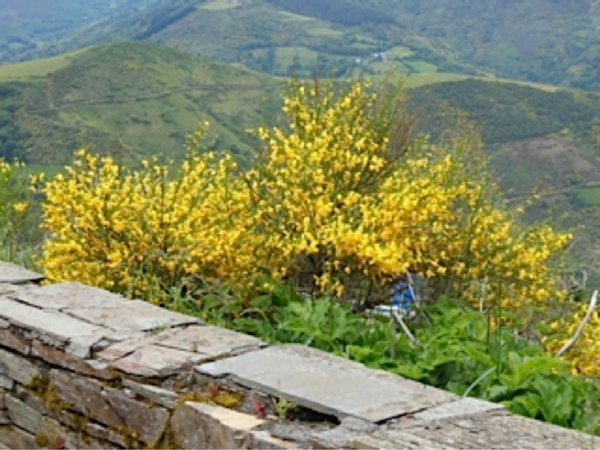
{"points": [[69, 295], [462, 407], [51, 323], [494, 430], [16, 368], [214, 342], [53, 327], [170, 351], [11, 273], [59, 329], [132, 315], [156, 361], [128, 346], [207, 341], [9, 288], [326, 383]]}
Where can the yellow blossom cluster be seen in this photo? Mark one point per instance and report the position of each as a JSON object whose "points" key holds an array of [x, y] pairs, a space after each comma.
{"points": [[138, 231], [337, 203], [342, 201]]}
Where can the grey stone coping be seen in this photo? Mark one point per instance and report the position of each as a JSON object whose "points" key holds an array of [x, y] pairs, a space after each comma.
{"points": [[451, 410], [214, 342], [79, 318], [493, 429], [327, 383], [52, 325], [167, 352], [102, 308], [132, 315], [156, 361], [77, 337], [10, 288], [13, 274], [69, 295]]}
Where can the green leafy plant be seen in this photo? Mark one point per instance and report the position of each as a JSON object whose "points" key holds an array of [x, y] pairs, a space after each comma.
{"points": [[20, 234], [457, 350]]}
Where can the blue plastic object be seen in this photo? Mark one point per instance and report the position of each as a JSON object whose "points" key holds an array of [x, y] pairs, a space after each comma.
{"points": [[403, 293]]}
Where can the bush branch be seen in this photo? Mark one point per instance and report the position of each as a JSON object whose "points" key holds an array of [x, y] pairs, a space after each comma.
{"points": [[585, 320]]}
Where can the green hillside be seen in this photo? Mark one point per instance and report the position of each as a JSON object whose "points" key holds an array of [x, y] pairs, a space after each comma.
{"points": [[550, 41], [128, 100], [547, 41], [267, 36], [509, 112], [35, 26]]}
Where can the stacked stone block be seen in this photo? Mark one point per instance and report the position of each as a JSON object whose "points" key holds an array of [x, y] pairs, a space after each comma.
{"points": [[84, 368]]}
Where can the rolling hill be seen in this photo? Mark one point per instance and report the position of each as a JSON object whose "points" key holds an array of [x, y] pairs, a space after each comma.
{"points": [[266, 36], [549, 41], [128, 99]]}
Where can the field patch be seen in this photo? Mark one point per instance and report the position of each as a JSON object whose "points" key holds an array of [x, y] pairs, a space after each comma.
{"points": [[589, 196], [218, 5], [38, 68]]}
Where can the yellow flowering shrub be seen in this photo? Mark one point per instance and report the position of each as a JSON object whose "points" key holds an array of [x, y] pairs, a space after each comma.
{"points": [[338, 202], [138, 232], [342, 200]]}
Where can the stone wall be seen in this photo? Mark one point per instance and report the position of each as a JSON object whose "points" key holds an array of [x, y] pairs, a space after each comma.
{"points": [[83, 368]]}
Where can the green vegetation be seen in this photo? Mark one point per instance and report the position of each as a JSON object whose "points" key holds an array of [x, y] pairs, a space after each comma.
{"points": [[339, 31], [588, 196], [510, 112], [341, 11], [134, 99], [128, 100], [537, 41], [544, 41], [457, 349], [12, 133], [20, 232], [38, 68], [35, 26]]}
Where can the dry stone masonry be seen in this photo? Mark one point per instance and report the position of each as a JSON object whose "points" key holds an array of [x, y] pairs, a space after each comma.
{"points": [[83, 368]]}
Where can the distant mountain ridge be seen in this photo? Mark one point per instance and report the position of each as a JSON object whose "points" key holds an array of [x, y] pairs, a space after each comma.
{"points": [[33, 28], [550, 41]]}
